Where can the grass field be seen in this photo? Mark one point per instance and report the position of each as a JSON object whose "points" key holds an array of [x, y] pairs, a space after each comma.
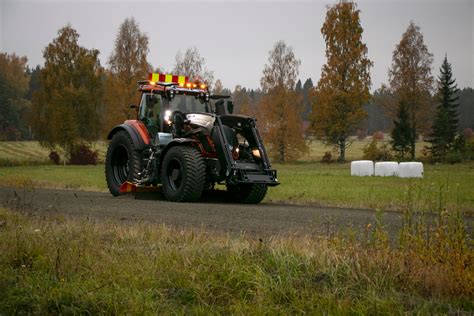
{"points": [[302, 183], [55, 265], [332, 185], [31, 153], [354, 152]]}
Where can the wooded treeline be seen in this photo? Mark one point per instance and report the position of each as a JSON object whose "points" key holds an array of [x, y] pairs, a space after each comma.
{"points": [[72, 99]]}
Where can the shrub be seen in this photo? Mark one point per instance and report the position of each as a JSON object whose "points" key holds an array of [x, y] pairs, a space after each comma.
{"points": [[469, 149], [468, 133], [426, 155], [378, 135], [83, 155], [373, 152], [327, 158], [454, 157], [54, 157], [361, 134]]}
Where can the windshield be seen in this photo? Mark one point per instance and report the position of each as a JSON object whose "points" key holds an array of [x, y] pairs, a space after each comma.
{"points": [[188, 103]]}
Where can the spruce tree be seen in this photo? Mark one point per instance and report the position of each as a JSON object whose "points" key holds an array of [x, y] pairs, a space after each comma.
{"points": [[445, 125], [402, 133], [299, 87]]}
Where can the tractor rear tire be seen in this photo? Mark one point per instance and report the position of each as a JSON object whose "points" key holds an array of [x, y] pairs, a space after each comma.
{"points": [[122, 162], [183, 174], [247, 193]]}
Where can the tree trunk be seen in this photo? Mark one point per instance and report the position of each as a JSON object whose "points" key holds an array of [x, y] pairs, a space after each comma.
{"points": [[413, 141], [413, 131], [281, 152], [342, 151]]}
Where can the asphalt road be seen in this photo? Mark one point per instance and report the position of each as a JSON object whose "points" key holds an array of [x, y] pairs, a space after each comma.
{"points": [[214, 213]]}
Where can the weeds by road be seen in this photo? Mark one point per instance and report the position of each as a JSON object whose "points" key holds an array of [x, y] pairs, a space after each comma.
{"points": [[63, 265]]}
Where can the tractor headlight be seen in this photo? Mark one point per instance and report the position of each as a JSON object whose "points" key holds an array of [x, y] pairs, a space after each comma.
{"points": [[256, 153], [168, 117]]}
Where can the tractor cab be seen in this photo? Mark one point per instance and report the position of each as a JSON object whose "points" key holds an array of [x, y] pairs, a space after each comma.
{"points": [[162, 101]]}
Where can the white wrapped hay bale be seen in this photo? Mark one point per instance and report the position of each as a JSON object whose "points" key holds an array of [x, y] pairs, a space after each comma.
{"points": [[386, 169], [410, 169], [362, 168]]}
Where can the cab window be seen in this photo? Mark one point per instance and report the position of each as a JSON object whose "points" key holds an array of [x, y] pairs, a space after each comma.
{"points": [[188, 103], [151, 107]]}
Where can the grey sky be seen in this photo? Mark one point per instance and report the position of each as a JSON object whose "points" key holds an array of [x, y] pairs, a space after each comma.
{"points": [[235, 37]]}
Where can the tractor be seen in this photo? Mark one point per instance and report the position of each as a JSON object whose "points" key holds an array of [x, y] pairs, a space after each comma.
{"points": [[187, 140]]}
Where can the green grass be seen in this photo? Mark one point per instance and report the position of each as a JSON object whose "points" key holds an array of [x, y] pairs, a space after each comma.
{"points": [[332, 185], [303, 183], [52, 176], [56, 265]]}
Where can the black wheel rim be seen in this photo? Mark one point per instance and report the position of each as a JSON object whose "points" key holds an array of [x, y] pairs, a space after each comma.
{"points": [[120, 164], [174, 173]]}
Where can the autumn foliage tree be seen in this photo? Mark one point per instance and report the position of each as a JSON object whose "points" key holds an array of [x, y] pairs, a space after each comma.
{"points": [[127, 65], [65, 108], [14, 82], [280, 107], [344, 85], [411, 81]]}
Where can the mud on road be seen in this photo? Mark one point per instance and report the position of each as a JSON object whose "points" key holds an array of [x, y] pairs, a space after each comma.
{"points": [[213, 213]]}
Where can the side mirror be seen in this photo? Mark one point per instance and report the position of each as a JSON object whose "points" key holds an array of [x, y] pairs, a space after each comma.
{"points": [[133, 106], [230, 107], [220, 109]]}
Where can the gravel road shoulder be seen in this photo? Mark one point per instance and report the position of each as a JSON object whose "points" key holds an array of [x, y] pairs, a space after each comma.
{"points": [[212, 214]]}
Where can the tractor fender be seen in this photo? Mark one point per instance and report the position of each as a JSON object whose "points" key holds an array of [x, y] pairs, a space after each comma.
{"points": [[137, 133]]}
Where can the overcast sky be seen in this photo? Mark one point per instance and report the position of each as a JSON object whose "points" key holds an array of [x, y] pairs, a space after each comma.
{"points": [[235, 36]]}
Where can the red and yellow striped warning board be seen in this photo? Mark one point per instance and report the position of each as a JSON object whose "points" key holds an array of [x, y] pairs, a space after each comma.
{"points": [[168, 78], [128, 187]]}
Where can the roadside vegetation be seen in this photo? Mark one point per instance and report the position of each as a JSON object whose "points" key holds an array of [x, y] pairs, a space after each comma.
{"points": [[75, 266]]}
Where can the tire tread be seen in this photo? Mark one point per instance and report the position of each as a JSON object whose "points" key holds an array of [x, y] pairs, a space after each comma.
{"points": [[196, 175]]}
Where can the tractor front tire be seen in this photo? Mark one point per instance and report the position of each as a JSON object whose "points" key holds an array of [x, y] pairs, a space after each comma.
{"points": [[122, 162], [183, 174], [247, 193]]}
